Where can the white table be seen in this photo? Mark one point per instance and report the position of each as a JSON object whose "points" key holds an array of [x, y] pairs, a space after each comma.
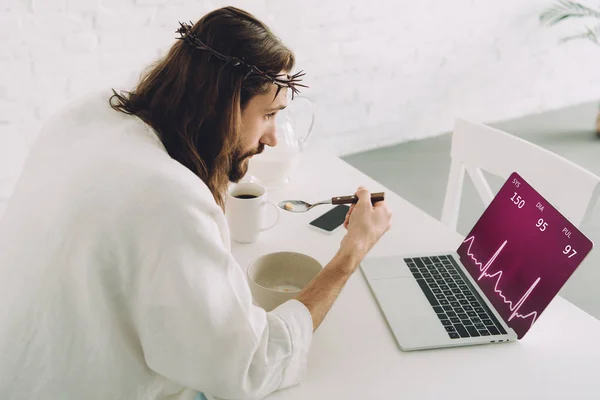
{"points": [[355, 356]]}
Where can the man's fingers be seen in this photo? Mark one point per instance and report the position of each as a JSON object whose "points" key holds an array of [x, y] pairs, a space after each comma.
{"points": [[381, 206], [360, 189], [363, 195], [351, 209], [346, 221]]}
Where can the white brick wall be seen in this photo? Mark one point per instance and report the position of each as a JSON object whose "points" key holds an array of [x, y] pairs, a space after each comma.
{"points": [[380, 71]]}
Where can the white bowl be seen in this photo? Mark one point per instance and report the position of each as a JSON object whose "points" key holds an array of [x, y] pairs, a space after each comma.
{"points": [[275, 278]]}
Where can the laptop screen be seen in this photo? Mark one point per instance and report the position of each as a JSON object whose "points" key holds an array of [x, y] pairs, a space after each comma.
{"points": [[521, 252]]}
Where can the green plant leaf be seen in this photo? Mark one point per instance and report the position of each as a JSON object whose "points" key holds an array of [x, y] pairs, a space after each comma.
{"points": [[592, 34], [567, 10]]}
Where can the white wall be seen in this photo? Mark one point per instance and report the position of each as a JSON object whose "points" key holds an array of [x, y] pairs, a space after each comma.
{"points": [[381, 71]]}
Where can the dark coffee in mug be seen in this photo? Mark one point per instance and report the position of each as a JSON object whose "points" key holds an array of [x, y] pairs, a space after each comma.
{"points": [[245, 196]]}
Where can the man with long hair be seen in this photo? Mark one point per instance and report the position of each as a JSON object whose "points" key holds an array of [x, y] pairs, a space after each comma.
{"points": [[116, 276]]}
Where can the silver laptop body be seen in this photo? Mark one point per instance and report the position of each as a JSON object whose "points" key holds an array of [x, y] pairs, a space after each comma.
{"points": [[432, 300], [414, 321]]}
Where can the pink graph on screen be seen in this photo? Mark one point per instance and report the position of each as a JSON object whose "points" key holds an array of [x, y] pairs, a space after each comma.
{"points": [[514, 307]]}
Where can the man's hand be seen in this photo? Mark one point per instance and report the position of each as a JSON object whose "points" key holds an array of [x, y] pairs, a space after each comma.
{"points": [[366, 223]]}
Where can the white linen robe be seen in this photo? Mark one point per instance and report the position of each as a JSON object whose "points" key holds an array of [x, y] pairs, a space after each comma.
{"points": [[117, 281]]}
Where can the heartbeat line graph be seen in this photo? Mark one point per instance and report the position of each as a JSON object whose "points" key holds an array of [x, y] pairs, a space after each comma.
{"points": [[514, 307]]}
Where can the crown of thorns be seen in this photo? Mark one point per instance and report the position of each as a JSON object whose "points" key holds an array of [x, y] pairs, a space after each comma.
{"points": [[282, 80]]}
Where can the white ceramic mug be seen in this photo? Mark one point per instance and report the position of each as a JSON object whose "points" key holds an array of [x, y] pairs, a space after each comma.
{"points": [[275, 278], [245, 211]]}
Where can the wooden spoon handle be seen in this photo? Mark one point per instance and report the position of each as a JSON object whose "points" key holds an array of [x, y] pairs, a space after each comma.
{"points": [[375, 197]]}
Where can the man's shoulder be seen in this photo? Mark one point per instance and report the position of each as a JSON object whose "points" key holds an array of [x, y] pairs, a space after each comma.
{"points": [[122, 153], [83, 107], [171, 200], [175, 183]]}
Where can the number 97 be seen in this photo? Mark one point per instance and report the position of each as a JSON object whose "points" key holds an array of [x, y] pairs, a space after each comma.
{"points": [[568, 249]]}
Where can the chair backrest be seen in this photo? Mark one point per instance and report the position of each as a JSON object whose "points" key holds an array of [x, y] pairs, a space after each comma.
{"points": [[570, 188]]}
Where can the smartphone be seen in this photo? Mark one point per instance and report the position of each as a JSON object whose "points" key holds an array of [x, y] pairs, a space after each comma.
{"points": [[332, 219]]}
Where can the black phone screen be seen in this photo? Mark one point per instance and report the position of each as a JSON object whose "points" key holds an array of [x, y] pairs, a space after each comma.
{"points": [[332, 218]]}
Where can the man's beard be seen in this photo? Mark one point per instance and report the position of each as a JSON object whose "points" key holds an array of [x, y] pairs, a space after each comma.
{"points": [[239, 163]]}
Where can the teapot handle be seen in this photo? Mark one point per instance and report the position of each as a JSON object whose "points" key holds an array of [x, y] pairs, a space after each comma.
{"points": [[312, 118]]}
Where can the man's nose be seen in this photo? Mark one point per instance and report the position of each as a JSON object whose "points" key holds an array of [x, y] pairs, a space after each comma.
{"points": [[270, 138]]}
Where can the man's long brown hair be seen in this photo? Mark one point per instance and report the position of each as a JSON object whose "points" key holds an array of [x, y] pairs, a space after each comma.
{"points": [[194, 101]]}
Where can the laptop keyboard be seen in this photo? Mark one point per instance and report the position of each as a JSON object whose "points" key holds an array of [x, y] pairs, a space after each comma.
{"points": [[458, 305]]}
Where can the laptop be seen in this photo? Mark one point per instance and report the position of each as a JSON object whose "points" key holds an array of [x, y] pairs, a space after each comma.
{"points": [[493, 287]]}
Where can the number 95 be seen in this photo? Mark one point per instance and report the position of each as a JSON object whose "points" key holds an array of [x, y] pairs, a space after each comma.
{"points": [[541, 224]]}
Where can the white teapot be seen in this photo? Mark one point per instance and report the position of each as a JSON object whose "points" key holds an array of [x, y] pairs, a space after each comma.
{"points": [[275, 165]]}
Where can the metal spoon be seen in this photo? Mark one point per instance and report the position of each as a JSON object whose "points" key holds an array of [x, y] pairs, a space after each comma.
{"points": [[299, 206]]}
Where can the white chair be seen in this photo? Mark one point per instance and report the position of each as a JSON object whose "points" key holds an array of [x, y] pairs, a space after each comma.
{"points": [[475, 147]]}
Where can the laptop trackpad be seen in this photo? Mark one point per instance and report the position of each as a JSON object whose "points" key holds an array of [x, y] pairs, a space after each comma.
{"points": [[407, 311], [398, 292], [385, 267]]}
